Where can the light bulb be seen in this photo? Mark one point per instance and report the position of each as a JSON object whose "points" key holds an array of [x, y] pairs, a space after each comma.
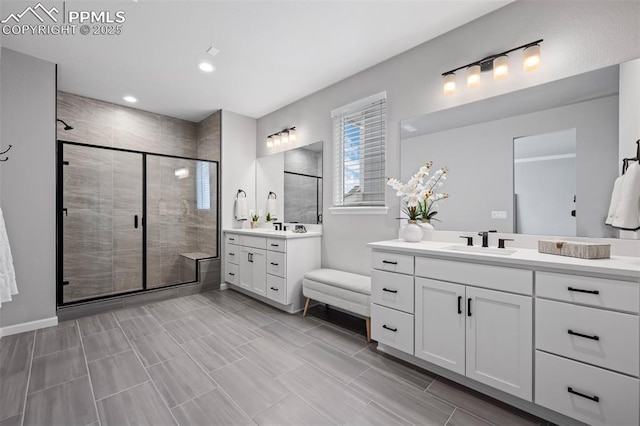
{"points": [[473, 76], [531, 58], [270, 142], [500, 67], [285, 137], [293, 134], [449, 84]]}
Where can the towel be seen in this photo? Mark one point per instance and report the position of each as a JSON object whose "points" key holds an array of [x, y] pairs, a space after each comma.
{"points": [[242, 212], [8, 286], [627, 214], [272, 207], [615, 198]]}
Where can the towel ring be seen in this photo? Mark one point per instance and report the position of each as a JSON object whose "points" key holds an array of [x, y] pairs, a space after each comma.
{"points": [[239, 192], [270, 194], [4, 152]]}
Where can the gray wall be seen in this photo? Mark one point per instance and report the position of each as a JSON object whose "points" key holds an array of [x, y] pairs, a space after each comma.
{"points": [[574, 43], [28, 101]]}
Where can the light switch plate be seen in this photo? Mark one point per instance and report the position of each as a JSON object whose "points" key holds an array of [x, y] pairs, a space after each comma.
{"points": [[500, 214]]}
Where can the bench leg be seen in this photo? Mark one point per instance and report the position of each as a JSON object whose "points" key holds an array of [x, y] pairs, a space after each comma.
{"points": [[369, 329], [306, 307]]}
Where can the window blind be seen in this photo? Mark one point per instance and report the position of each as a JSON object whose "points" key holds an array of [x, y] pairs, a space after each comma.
{"points": [[360, 138]]}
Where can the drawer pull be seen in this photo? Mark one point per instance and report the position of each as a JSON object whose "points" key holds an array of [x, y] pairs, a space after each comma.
{"points": [[573, 333], [275, 245], [389, 262], [389, 291], [389, 328], [583, 291], [469, 307], [592, 398], [231, 239], [232, 274], [459, 305], [232, 254], [274, 264], [274, 289]]}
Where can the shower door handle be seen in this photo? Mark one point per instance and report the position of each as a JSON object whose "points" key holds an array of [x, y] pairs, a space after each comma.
{"points": [[135, 221]]}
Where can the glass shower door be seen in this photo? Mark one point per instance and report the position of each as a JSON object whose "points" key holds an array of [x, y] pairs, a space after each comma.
{"points": [[102, 227]]}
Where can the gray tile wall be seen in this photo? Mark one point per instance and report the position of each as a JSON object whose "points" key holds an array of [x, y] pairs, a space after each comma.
{"points": [[103, 252]]}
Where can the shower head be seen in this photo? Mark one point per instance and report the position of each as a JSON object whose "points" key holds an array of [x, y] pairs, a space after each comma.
{"points": [[66, 126]]}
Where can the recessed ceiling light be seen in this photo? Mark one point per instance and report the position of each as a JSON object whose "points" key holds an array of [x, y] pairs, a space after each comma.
{"points": [[130, 98], [206, 67]]}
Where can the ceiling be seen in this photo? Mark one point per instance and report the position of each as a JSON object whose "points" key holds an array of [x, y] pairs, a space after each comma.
{"points": [[271, 52]]}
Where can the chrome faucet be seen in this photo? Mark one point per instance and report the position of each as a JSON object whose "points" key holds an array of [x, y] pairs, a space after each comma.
{"points": [[485, 237]]}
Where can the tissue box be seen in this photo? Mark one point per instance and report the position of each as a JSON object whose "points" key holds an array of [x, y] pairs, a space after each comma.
{"points": [[575, 249]]}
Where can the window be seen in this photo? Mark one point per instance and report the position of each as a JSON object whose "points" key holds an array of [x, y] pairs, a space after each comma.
{"points": [[203, 190], [360, 136]]}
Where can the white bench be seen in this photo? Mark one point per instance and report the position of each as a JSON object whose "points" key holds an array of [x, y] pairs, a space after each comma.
{"points": [[344, 290]]}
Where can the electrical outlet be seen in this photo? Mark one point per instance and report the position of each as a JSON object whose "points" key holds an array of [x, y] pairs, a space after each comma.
{"points": [[499, 214]]}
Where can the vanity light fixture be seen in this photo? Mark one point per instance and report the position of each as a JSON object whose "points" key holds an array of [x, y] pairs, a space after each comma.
{"points": [[498, 63], [130, 99], [284, 137]]}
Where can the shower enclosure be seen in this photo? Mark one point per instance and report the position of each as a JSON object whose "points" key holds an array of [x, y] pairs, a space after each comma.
{"points": [[129, 221]]}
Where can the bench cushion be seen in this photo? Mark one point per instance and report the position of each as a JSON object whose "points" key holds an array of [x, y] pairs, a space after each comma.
{"points": [[348, 300], [344, 280]]}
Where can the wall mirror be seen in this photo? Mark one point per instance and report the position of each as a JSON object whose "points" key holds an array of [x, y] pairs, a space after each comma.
{"points": [[540, 161], [290, 183]]}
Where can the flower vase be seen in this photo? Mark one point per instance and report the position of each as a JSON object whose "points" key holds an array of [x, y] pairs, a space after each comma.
{"points": [[412, 232], [426, 225]]}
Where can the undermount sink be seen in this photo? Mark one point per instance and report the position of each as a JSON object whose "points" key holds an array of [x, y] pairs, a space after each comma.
{"points": [[484, 250]]}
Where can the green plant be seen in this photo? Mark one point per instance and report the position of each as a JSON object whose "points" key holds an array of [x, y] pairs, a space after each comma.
{"points": [[268, 217], [255, 217]]}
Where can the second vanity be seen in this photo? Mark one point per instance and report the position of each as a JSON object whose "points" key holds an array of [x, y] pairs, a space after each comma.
{"points": [[269, 265], [558, 337]]}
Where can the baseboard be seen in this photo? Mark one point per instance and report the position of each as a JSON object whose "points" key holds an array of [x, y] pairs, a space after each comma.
{"points": [[28, 326]]}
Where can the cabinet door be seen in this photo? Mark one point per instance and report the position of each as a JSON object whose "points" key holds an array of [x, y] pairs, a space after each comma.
{"points": [[440, 323], [259, 272], [246, 268], [499, 340]]}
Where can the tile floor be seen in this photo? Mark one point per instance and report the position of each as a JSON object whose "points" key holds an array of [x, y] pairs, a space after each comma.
{"points": [[221, 358]]}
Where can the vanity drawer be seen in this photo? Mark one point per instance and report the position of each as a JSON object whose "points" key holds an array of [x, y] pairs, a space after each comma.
{"points": [[618, 343], [493, 277], [232, 238], [276, 289], [255, 242], [231, 273], [392, 290], [600, 292], [617, 394], [392, 328], [277, 244], [232, 253], [277, 264], [392, 262]]}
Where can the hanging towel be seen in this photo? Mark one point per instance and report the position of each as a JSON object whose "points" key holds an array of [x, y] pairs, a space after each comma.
{"points": [[272, 207], [8, 285], [627, 214], [615, 198], [242, 212]]}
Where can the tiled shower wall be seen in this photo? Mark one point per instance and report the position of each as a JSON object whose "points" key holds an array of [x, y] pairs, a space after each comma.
{"points": [[94, 237]]}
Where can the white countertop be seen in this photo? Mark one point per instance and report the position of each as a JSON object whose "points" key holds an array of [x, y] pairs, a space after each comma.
{"points": [[622, 267], [270, 233]]}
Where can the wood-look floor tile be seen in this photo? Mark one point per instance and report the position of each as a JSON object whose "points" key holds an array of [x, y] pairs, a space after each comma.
{"points": [[59, 367], [462, 418], [404, 371], [141, 405], [190, 303], [70, 403], [156, 348], [263, 308], [116, 373], [375, 415], [284, 336], [232, 333], [209, 316], [253, 389], [180, 379], [269, 357], [401, 398], [324, 393], [12, 421], [14, 376], [291, 411], [332, 361], [105, 344], [166, 311], [17, 339], [97, 323], [227, 304], [297, 321], [187, 328], [128, 313], [344, 341], [142, 326], [57, 339], [481, 406], [211, 352], [250, 318], [213, 408], [235, 295]]}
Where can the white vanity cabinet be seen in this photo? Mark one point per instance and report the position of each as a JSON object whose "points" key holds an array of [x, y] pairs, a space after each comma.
{"points": [[270, 265]]}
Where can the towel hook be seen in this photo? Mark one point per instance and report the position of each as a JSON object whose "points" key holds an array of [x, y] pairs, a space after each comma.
{"points": [[272, 193], [4, 152], [239, 192]]}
